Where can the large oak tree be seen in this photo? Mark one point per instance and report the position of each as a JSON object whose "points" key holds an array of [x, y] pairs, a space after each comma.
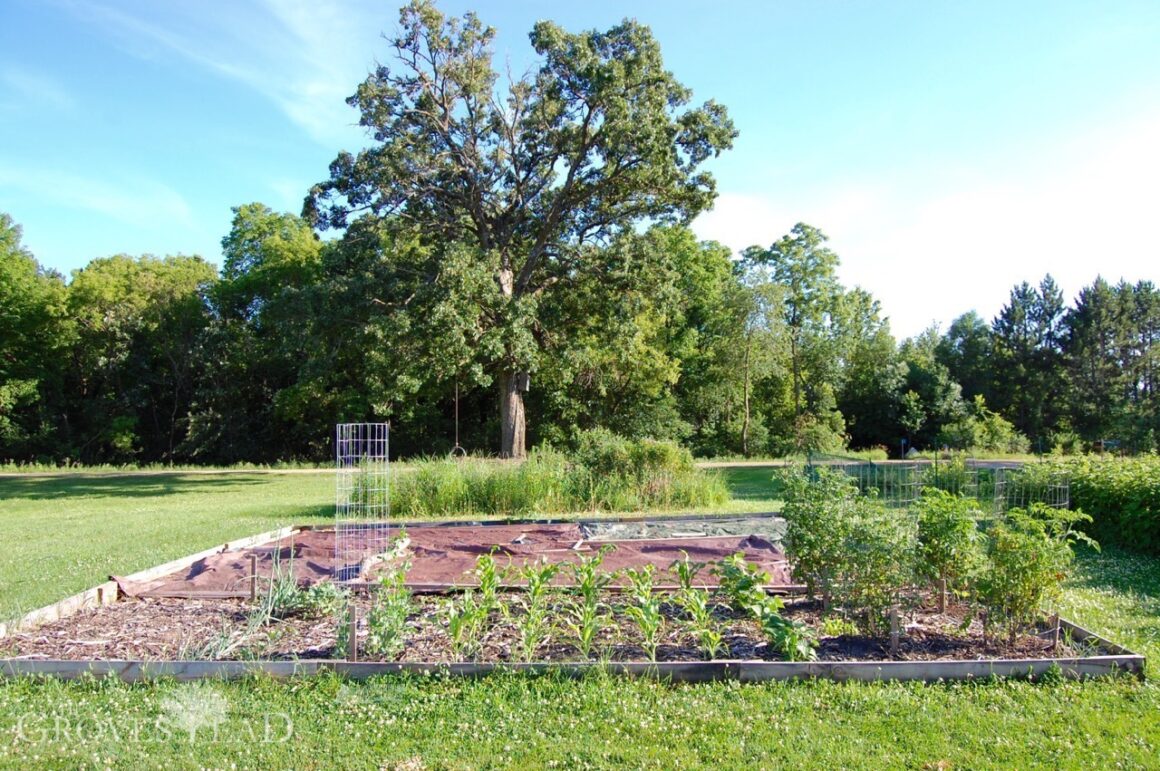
{"points": [[528, 172]]}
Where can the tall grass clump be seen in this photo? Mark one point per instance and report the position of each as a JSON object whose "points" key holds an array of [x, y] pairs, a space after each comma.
{"points": [[604, 472]]}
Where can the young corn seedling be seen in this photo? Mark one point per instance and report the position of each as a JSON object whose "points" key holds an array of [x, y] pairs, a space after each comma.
{"points": [[465, 624], [490, 576], [585, 617], [646, 613], [590, 580], [701, 622], [686, 571], [533, 624], [586, 621]]}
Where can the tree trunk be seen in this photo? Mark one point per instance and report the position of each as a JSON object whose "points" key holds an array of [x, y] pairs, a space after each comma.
{"points": [[511, 416]]}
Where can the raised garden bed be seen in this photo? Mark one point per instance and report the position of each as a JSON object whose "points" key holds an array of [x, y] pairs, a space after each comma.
{"points": [[107, 632]]}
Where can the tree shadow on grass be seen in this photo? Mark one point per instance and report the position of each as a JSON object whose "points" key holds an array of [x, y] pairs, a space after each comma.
{"points": [[118, 485]]}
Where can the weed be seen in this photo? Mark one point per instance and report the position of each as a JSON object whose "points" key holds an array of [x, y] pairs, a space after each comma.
{"points": [[836, 626]]}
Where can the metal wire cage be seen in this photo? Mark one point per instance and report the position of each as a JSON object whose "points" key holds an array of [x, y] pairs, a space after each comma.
{"points": [[362, 507]]}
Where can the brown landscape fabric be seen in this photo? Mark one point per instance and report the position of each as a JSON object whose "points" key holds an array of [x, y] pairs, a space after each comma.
{"points": [[446, 555]]}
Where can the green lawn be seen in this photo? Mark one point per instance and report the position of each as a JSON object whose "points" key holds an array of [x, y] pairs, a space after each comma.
{"points": [[65, 533], [526, 721]]}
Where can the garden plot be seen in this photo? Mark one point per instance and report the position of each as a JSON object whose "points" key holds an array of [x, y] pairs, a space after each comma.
{"points": [[937, 592]]}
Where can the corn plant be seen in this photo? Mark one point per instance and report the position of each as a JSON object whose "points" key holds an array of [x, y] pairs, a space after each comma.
{"points": [[586, 621], [387, 617], [695, 603], [534, 624], [490, 576], [646, 613], [686, 571], [465, 620], [590, 581]]}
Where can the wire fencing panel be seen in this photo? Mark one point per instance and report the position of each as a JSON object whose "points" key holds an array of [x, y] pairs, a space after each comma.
{"points": [[362, 495], [996, 488]]}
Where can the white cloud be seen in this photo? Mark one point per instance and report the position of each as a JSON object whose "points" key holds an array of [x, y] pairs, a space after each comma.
{"points": [[35, 89], [134, 201], [305, 57], [933, 245]]}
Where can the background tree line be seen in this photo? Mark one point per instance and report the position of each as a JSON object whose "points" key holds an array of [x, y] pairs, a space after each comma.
{"points": [[523, 242], [146, 359]]}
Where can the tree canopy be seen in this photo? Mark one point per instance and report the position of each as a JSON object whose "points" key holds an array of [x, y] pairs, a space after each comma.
{"points": [[521, 176]]}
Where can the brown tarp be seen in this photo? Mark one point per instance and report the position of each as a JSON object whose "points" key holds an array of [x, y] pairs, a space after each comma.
{"points": [[446, 556]]}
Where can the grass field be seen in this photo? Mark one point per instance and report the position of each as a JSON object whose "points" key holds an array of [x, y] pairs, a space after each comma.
{"points": [[65, 533]]}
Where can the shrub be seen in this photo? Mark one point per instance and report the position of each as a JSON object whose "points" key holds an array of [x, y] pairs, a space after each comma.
{"points": [[1028, 556], [846, 547], [879, 560], [1122, 495], [949, 542], [815, 511]]}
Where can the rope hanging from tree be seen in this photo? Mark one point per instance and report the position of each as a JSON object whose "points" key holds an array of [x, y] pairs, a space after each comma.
{"points": [[457, 451]]}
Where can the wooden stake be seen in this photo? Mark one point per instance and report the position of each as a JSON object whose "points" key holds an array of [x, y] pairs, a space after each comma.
{"points": [[942, 595], [352, 635], [253, 576], [1054, 621], [894, 631]]}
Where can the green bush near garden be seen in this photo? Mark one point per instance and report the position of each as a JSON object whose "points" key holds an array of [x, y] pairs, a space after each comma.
{"points": [[1122, 496]]}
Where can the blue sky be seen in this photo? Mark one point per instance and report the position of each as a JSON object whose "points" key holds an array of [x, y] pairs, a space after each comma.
{"points": [[949, 149]]}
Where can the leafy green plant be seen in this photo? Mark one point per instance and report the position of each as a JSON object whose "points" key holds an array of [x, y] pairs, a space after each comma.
{"points": [[686, 571], [949, 541], [818, 508], [586, 617], [847, 547], [585, 620], [590, 580], [324, 598], [1121, 494], [791, 638], [742, 581], [387, 617], [1028, 554], [465, 618], [490, 577], [836, 626]]}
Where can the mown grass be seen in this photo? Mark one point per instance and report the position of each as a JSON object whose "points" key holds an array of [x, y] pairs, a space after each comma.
{"points": [[599, 722], [66, 533]]}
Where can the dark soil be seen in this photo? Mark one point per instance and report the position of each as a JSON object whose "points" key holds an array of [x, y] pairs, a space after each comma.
{"points": [[166, 628]]}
